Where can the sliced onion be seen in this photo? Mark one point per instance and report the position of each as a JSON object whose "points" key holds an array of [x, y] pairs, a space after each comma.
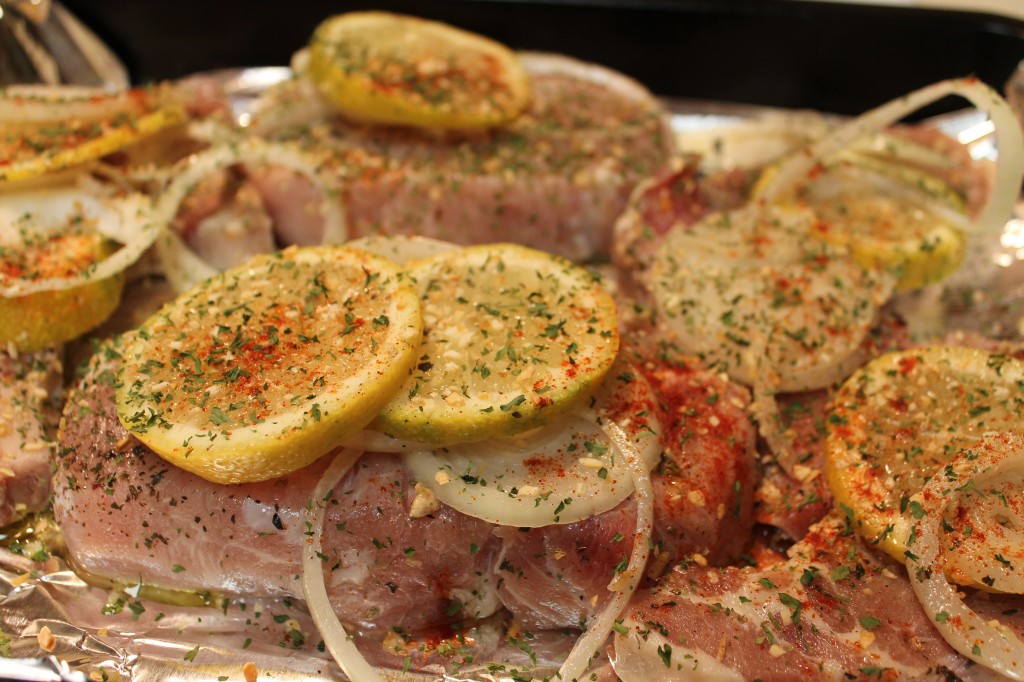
{"points": [[338, 642], [49, 210], [638, 658], [127, 219], [49, 103], [906, 186], [624, 584], [986, 642], [561, 473], [886, 146], [990, 524], [764, 407], [716, 283], [289, 105], [183, 267], [766, 412], [1009, 166]]}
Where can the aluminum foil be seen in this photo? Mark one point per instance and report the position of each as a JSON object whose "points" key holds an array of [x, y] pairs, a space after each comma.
{"points": [[110, 635]]}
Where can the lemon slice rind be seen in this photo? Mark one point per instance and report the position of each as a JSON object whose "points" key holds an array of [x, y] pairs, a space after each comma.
{"points": [[35, 321]]}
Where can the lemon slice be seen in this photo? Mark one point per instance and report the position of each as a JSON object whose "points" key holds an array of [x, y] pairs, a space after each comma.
{"points": [[45, 318], [263, 368], [392, 69], [512, 338], [903, 418], [47, 140]]}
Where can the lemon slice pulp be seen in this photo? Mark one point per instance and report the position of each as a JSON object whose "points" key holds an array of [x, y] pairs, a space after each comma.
{"points": [[67, 129], [902, 419], [386, 68], [34, 321], [263, 368], [512, 338]]}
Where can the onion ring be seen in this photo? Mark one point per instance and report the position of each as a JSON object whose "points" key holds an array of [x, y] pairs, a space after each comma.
{"points": [[338, 642], [988, 643], [625, 583], [128, 219], [1009, 166], [183, 267]]}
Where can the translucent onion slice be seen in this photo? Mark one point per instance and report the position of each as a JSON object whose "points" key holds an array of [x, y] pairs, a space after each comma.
{"points": [[1009, 168], [290, 104], [640, 658], [988, 643], [889, 147], [183, 267], [48, 103], [755, 294], [41, 213], [561, 473], [983, 545], [338, 642], [912, 183], [765, 410], [624, 584], [51, 210]]}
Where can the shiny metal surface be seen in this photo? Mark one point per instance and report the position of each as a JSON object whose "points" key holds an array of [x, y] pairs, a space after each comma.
{"points": [[41, 42], [49, 669]]}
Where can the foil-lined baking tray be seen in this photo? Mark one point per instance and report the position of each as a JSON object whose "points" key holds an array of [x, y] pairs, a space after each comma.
{"points": [[106, 635]]}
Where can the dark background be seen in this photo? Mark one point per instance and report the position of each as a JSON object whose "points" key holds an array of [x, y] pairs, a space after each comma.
{"points": [[841, 58]]}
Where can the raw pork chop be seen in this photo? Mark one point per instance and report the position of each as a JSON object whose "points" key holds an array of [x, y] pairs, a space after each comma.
{"points": [[556, 178], [127, 514], [557, 576], [29, 409], [833, 611]]}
